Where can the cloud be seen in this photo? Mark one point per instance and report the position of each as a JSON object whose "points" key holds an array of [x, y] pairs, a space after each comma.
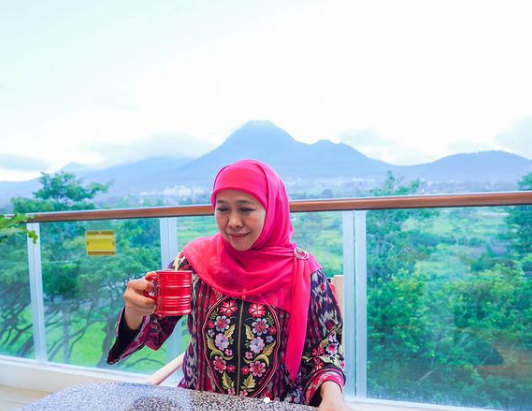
{"points": [[370, 143], [21, 162], [155, 145], [517, 139]]}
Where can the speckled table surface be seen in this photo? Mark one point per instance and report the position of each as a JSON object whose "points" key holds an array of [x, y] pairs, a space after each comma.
{"points": [[137, 397]]}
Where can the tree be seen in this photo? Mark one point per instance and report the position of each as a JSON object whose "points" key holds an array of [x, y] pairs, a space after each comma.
{"points": [[62, 279], [60, 192], [392, 248]]}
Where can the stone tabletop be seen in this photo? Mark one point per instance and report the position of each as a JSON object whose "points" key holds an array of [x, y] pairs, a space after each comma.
{"points": [[137, 397]]}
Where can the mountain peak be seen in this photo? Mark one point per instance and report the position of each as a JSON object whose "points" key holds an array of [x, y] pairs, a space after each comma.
{"points": [[258, 124], [259, 132]]}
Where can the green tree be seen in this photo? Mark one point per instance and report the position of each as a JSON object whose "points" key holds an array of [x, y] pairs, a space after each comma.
{"points": [[60, 249], [391, 248], [60, 192]]}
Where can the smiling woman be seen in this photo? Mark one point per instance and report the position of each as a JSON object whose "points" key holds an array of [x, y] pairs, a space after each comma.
{"points": [[264, 322]]}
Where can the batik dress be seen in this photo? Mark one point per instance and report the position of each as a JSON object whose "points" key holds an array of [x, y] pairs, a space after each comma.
{"points": [[238, 347]]}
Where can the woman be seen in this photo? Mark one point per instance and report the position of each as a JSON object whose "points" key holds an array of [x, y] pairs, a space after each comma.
{"points": [[264, 321]]}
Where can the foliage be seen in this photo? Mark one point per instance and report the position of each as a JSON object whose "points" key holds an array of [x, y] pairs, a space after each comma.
{"points": [[520, 221], [13, 225], [60, 192], [390, 248]]}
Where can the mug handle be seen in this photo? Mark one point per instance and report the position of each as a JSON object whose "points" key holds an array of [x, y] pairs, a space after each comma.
{"points": [[152, 277]]}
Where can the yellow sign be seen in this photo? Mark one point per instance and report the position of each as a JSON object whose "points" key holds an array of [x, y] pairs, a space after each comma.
{"points": [[101, 242]]}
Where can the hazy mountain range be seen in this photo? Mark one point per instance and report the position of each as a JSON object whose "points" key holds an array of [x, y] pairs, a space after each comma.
{"points": [[303, 167]]}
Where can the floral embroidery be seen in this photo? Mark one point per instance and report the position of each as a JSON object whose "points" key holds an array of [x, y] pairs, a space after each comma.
{"points": [[257, 343], [332, 349], [257, 310], [257, 368], [260, 326], [219, 364], [228, 307], [222, 323], [222, 341]]}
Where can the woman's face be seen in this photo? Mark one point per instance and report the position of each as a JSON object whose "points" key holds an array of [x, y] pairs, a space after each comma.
{"points": [[240, 218]]}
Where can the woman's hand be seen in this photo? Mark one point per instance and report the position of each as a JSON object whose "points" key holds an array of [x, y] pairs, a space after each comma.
{"points": [[137, 304], [332, 398]]}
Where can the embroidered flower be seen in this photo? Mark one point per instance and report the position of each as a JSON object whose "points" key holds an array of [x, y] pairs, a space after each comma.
{"points": [[272, 330], [317, 352], [260, 326], [221, 341], [257, 368], [257, 310], [210, 333], [245, 370], [243, 393], [219, 364], [269, 339], [332, 349], [256, 345], [210, 324], [231, 368], [318, 363], [222, 323], [248, 355], [231, 391], [229, 352], [229, 307]]}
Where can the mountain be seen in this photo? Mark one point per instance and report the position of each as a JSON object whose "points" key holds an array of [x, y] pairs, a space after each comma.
{"points": [[126, 179], [129, 178], [302, 166], [485, 166], [264, 141]]}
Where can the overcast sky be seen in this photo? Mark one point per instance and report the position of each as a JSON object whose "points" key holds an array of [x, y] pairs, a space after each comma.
{"points": [[401, 80]]}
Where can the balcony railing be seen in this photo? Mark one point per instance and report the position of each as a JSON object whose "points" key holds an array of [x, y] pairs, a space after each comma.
{"points": [[354, 255]]}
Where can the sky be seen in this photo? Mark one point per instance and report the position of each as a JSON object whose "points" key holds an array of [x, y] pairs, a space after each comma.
{"points": [[405, 81]]}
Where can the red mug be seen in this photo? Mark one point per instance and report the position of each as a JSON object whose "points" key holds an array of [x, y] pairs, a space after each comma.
{"points": [[173, 292]]}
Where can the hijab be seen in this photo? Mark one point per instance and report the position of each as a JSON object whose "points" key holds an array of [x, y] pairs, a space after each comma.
{"points": [[274, 270]]}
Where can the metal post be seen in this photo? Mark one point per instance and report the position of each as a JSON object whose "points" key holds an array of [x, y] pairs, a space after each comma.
{"points": [[37, 295], [169, 250], [361, 284], [348, 234]]}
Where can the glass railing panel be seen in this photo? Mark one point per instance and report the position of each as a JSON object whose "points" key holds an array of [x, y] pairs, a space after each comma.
{"points": [[321, 235], [191, 228], [16, 324], [83, 294], [450, 307]]}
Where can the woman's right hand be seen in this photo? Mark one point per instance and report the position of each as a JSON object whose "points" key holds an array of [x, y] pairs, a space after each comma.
{"points": [[136, 303]]}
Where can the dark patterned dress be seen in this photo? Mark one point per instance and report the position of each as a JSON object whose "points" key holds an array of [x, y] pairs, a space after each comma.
{"points": [[238, 347]]}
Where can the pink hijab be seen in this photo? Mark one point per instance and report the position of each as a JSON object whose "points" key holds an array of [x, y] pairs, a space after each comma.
{"points": [[275, 270]]}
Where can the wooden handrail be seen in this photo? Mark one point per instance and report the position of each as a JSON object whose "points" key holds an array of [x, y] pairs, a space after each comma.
{"points": [[363, 203]]}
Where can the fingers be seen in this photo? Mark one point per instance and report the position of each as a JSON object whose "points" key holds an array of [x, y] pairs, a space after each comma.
{"points": [[151, 276], [135, 300]]}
